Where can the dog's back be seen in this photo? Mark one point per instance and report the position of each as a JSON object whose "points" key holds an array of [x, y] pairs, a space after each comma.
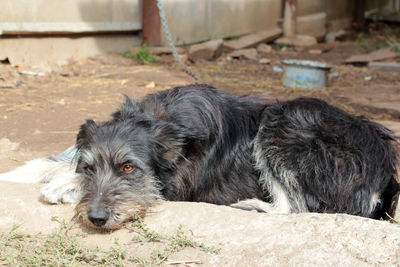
{"points": [[326, 160], [217, 164]]}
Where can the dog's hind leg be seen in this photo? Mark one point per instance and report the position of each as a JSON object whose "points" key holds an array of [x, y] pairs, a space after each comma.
{"points": [[58, 172], [279, 196], [325, 160], [279, 182]]}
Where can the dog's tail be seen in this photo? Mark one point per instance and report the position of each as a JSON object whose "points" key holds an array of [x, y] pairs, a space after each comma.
{"points": [[391, 197], [43, 170]]}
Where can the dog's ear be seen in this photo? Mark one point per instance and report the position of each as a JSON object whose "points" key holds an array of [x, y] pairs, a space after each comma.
{"points": [[168, 142], [86, 131], [128, 110]]}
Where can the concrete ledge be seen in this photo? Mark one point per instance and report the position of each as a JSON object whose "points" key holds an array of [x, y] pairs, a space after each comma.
{"points": [[45, 52], [67, 27]]}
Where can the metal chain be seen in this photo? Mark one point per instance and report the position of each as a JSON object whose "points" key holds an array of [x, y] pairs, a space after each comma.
{"points": [[167, 32]]}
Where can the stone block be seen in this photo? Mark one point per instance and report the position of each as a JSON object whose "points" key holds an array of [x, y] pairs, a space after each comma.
{"points": [[384, 66], [252, 40], [264, 48], [207, 50]]}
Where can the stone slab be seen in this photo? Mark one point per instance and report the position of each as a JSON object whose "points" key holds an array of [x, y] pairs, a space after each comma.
{"points": [[246, 238], [207, 50], [299, 40], [377, 55], [384, 66], [252, 40]]}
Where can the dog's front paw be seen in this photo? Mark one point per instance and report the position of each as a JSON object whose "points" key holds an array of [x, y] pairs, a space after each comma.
{"points": [[62, 190]]}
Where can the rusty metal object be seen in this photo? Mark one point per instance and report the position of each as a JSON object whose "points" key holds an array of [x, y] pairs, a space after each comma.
{"points": [[151, 23]]}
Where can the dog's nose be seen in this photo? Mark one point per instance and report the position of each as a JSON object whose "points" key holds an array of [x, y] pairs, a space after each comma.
{"points": [[98, 216]]}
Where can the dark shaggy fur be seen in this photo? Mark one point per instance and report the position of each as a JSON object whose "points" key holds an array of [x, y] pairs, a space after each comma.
{"points": [[195, 143]]}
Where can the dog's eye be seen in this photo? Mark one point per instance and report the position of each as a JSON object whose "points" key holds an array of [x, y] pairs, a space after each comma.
{"points": [[89, 169], [128, 168]]}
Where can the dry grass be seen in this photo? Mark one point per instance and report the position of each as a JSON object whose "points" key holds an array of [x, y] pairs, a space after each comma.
{"points": [[62, 248]]}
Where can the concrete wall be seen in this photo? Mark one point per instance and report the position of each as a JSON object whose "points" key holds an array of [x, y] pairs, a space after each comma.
{"points": [[190, 21], [381, 5], [69, 16], [307, 7], [337, 9], [311, 18], [56, 20], [193, 21]]}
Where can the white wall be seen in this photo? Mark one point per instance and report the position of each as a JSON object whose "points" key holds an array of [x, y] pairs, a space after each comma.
{"points": [[190, 21], [198, 20], [69, 15], [61, 17]]}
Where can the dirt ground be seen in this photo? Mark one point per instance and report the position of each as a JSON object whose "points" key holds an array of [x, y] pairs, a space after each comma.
{"points": [[41, 112]]}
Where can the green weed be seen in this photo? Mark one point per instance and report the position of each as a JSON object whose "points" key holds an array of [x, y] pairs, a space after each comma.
{"points": [[378, 36], [142, 54], [233, 37]]}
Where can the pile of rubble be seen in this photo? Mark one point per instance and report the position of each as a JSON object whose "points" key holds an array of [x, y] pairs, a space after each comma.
{"points": [[247, 47], [257, 46], [251, 47]]}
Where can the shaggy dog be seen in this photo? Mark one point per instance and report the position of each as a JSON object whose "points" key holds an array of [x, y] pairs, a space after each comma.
{"points": [[196, 143]]}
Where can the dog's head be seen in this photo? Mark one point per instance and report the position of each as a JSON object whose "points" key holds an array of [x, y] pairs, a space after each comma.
{"points": [[120, 160]]}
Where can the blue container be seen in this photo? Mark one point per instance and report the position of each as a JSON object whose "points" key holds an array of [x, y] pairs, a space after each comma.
{"points": [[305, 74]]}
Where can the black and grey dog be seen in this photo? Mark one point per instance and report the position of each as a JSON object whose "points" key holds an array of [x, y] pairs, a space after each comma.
{"points": [[196, 143]]}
